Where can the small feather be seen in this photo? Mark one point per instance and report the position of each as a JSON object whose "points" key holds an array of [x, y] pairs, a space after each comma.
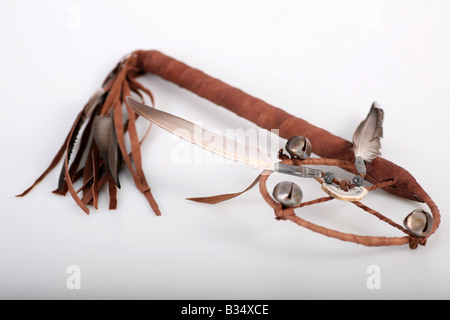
{"points": [[106, 140], [366, 139]]}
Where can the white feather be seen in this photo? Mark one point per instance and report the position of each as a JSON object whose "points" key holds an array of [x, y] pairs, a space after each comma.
{"points": [[366, 139]]}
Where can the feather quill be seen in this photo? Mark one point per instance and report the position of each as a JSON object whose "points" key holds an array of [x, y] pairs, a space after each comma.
{"points": [[366, 139], [213, 142]]}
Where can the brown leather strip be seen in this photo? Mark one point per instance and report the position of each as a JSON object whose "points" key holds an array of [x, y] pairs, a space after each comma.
{"points": [[381, 217], [134, 141], [136, 86], [435, 212], [77, 176], [369, 241], [87, 197], [380, 185], [70, 186], [83, 187], [136, 151], [316, 201], [112, 193], [224, 197], [117, 113]]}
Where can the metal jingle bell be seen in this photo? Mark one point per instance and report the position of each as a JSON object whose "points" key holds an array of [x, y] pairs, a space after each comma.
{"points": [[288, 194], [299, 147], [358, 180], [419, 222]]}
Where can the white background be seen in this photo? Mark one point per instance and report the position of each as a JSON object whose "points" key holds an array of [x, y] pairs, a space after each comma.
{"points": [[324, 61]]}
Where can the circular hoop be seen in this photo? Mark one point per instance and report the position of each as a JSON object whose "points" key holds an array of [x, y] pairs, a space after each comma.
{"points": [[372, 241]]}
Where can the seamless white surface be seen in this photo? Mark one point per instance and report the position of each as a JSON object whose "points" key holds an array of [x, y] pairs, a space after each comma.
{"points": [[324, 61]]}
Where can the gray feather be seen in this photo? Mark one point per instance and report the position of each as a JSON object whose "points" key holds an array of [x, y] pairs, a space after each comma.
{"points": [[366, 139], [106, 140]]}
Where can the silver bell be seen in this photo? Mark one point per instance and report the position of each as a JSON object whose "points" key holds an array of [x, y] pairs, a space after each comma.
{"points": [[419, 222], [288, 194], [299, 147]]}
